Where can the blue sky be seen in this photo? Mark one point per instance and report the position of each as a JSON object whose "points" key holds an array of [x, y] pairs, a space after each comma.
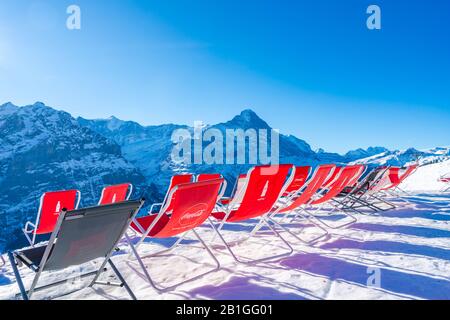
{"points": [[309, 68]]}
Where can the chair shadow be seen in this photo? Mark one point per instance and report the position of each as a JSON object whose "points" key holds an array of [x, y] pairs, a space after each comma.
{"points": [[389, 246], [392, 281], [424, 214], [165, 242], [406, 230], [240, 288], [4, 281]]}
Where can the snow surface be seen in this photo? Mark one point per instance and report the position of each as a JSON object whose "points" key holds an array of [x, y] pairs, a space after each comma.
{"points": [[409, 248], [427, 177]]}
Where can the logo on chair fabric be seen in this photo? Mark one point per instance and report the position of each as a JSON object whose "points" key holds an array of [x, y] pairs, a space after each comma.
{"points": [[191, 216], [264, 191], [58, 208]]}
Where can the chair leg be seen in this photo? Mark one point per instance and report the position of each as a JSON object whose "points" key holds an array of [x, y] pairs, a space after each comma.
{"points": [[122, 280], [395, 194], [30, 241], [295, 235], [408, 194], [353, 219], [34, 284], [362, 203], [17, 275], [165, 289], [393, 206], [168, 249], [252, 261]]}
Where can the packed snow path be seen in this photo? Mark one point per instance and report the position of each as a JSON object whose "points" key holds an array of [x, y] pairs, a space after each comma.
{"points": [[400, 254]]}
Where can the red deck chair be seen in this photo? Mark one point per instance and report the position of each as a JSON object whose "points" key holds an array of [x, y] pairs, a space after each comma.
{"points": [[116, 193], [208, 176], [333, 176], [263, 187], [396, 178], [373, 194], [317, 192], [51, 205], [237, 191], [174, 181], [392, 189], [190, 205], [347, 177], [302, 196], [300, 177], [212, 176], [383, 182], [362, 194]]}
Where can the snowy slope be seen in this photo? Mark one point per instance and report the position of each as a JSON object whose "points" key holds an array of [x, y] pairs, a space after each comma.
{"points": [[409, 248], [426, 178]]}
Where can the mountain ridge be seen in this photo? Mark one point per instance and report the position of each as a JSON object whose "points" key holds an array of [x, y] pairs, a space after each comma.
{"points": [[44, 149]]}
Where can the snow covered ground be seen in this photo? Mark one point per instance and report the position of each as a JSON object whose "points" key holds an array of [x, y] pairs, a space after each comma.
{"points": [[398, 254], [427, 178]]}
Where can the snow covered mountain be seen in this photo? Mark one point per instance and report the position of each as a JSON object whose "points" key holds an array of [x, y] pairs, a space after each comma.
{"points": [[42, 149], [405, 157], [361, 153], [149, 148]]}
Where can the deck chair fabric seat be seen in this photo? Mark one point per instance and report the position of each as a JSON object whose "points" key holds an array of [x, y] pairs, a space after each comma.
{"points": [[213, 176], [337, 170], [80, 236], [179, 179], [236, 193], [51, 205], [317, 181], [396, 177], [190, 206], [362, 195], [261, 189], [323, 188], [31, 256], [388, 185], [116, 193], [346, 178], [294, 203], [208, 176], [260, 196], [225, 202], [174, 181], [144, 223], [222, 215], [300, 178]]}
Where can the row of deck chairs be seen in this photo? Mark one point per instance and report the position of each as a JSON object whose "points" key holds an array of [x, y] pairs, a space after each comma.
{"points": [[270, 198]]}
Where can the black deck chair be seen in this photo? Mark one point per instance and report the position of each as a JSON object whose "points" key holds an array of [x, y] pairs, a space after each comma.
{"points": [[80, 236], [356, 196]]}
